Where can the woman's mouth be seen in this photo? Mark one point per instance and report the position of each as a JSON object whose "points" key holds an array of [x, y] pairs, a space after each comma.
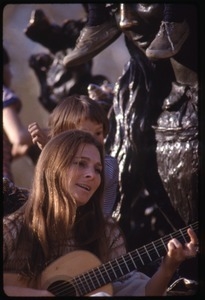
{"points": [[84, 186]]}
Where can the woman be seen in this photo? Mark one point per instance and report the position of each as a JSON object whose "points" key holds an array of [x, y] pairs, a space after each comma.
{"points": [[63, 214]]}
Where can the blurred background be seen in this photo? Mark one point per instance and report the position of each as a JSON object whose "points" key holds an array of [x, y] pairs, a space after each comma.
{"points": [[109, 62]]}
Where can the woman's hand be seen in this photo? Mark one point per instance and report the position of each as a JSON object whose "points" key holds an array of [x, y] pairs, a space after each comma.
{"points": [[177, 252]]}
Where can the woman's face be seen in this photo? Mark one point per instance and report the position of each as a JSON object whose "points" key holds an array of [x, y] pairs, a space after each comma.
{"points": [[94, 128], [84, 173]]}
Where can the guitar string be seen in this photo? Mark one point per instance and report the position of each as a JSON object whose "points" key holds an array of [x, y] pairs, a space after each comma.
{"points": [[80, 281]]}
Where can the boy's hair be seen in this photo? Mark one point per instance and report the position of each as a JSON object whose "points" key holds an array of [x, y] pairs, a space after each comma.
{"points": [[72, 110], [6, 59]]}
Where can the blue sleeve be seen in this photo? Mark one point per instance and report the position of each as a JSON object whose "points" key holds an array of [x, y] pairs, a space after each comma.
{"points": [[9, 97]]}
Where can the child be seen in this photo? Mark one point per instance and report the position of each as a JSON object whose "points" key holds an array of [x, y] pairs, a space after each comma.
{"points": [[61, 232], [81, 112], [172, 34]]}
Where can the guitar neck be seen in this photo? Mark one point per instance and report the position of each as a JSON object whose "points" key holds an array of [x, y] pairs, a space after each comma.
{"points": [[114, 269]]}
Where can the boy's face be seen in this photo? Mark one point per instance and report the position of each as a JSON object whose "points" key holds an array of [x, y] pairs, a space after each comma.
{"points": [[94, 128]]}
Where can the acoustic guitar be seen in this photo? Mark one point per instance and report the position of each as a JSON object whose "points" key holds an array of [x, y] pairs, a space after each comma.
{"points": [[81, 273]]}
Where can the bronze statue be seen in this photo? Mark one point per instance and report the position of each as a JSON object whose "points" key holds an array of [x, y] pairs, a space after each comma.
{"points": [[158, 105], [155, 131]]}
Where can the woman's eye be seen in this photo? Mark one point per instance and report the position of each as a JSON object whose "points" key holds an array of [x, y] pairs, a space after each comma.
{"points": [[79, 163], [98, 170], [82, 164]]}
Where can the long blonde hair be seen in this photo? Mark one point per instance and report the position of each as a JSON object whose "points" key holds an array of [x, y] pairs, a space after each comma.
{"points": [[51, 215]]}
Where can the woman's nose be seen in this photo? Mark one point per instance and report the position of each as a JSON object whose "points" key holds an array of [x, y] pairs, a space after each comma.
{"points": [[90, 172]]}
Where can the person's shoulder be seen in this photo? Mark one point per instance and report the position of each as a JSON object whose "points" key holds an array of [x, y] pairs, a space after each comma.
{"points": [[110, 158], [111, 163]]}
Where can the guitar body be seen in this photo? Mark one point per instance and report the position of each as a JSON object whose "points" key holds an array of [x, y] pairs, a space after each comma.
{"points": [[64, 269]]}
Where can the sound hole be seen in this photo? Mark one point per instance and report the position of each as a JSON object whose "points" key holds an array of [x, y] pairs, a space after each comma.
{"points": [[62, 288]]}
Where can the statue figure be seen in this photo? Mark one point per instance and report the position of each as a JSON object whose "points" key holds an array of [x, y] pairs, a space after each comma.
{"points": [[155, 135], [155, 110]]}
